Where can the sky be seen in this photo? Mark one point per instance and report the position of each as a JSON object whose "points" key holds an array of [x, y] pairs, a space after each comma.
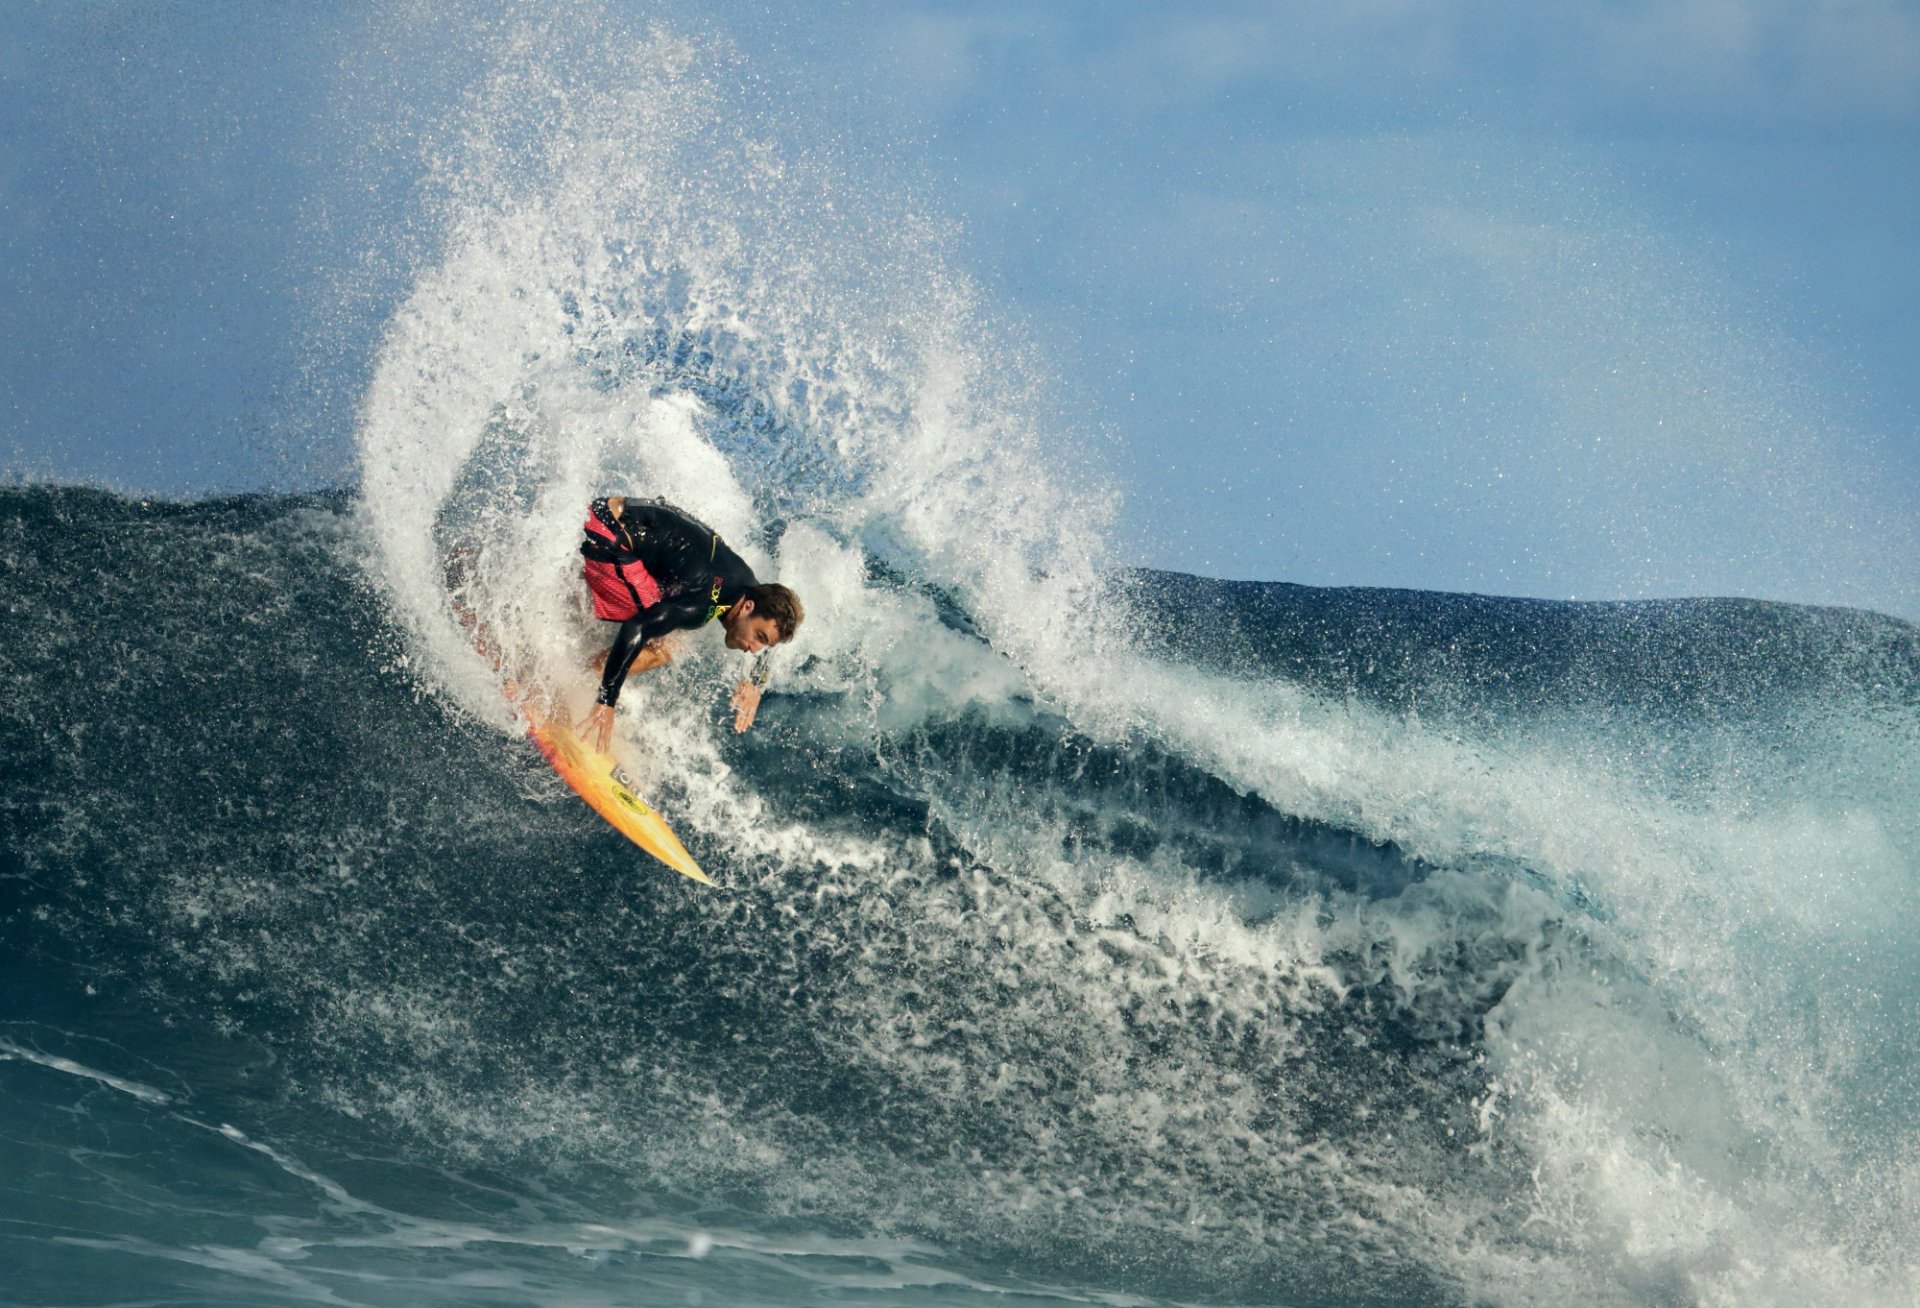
{"points": [[1602, 300]]}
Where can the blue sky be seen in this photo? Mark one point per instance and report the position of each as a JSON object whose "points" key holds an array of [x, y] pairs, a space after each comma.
{"points": [[1563, 299]]}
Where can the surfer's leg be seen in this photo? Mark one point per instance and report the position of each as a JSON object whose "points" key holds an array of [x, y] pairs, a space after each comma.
{"points": [[457, 574], [654, 654]]}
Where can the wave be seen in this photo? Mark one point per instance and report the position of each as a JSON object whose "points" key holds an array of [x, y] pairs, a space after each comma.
{"points": [[1080, 1005], [1414, 651], [1085, 930]]}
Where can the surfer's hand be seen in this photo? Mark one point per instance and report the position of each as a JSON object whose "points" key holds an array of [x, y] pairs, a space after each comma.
{"points": [[597, 727], [746, 703]]}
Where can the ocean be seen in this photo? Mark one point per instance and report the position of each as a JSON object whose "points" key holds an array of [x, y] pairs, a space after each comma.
{"points": [[1394, 948], [1084, 933]]}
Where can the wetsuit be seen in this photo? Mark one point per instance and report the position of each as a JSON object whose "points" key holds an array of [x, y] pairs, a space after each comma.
{"points": [[655, 570]]}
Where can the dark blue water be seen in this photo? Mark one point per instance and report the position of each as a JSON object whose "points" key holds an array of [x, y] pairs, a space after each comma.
{"points": [[1423, 949]]}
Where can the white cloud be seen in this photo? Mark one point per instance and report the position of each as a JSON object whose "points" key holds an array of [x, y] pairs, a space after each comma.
{"points": [[1822, 61], [937, 60], [1864, 54], [1765, 61], [1693, 50]]}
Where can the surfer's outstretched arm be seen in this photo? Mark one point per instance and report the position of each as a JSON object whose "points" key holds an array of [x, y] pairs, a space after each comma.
{"points": [[638, 646], [643, 632]]}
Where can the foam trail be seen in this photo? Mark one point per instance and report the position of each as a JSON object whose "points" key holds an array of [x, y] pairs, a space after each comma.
{"points": [[134, 1089]]}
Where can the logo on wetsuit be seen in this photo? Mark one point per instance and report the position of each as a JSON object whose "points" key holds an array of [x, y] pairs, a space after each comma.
{"points": [[713, 598]]}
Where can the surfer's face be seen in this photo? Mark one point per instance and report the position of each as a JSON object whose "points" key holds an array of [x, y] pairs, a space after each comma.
{"points": [[750, 633]]}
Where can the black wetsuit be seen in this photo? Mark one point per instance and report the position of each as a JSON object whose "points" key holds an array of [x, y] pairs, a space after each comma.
{"points": [[699, 578]]}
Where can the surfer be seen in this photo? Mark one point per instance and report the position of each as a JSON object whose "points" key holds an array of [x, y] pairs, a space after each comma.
{"points": [[655, 571]]}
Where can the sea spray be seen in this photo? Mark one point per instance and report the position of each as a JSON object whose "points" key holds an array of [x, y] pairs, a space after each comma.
{"points": [[1079, 933]]}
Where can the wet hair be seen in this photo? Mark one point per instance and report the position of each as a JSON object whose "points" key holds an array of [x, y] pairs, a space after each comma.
{"points": [[777, 602]]}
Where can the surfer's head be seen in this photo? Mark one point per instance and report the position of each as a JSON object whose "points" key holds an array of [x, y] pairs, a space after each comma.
{"points": [[764, 616]]}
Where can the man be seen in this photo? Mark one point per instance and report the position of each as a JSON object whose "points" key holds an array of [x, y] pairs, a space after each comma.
{"points": [[655, 571]]}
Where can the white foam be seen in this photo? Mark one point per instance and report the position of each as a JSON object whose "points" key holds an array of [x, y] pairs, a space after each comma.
{"points": [[144, 1093], [649, 211]]}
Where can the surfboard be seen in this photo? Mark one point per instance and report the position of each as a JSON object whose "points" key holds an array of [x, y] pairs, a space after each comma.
{"points": [[592, 774], [599, 779]]}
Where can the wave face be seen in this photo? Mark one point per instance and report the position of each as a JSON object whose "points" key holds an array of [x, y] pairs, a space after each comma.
{"points": [[1596, 990], [1084, 933]]}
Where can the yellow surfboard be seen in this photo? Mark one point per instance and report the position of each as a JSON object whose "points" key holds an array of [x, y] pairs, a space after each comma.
{"points": [[600, 780], [595, 776]]}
